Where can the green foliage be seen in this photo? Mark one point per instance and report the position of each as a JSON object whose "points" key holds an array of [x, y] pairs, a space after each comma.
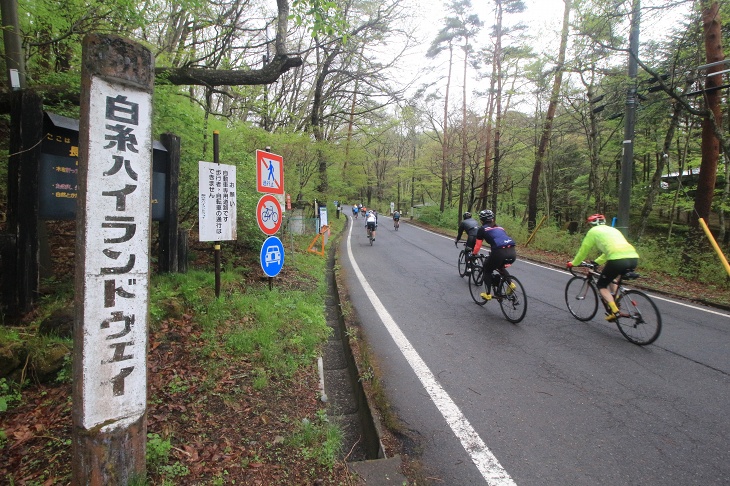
{"points": [[54, 34], [318, 439], [158, 451], [66, 373], [173, 471], [280, 330], [158, 455], [433, 216], [9, 394], [177, 385], [174, 294], [9, 335], [321, 17]]}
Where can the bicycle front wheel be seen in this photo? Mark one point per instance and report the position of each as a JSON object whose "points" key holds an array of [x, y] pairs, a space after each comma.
{"points": [[462, 263], [476, 284], [581, 298], [512, 299], [639, 319]]}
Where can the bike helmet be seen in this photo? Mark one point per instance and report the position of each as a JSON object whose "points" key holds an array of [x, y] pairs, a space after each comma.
{"points": [[486, 215], [466, 215], [596, 219]]}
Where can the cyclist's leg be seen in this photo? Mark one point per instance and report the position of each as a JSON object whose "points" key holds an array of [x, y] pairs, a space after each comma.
{"points": [[490, 264], [471, 241], [508, 257], [611, 270], [469, 249]]}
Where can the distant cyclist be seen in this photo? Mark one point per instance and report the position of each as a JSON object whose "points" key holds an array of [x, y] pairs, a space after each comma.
{"points": [[371, 222], [617, 253], [396, 218], [469, 226], [502, 249], [355, 210]]}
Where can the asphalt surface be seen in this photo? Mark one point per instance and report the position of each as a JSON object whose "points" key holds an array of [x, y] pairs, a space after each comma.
{"points": [[547, 401]]}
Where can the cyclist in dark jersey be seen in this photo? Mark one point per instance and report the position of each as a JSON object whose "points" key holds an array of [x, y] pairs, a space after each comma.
{"points": [[502, 248], [470, 226]]}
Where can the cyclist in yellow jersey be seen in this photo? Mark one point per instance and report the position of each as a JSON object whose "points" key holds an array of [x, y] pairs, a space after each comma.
{"points": [[617, 253]]}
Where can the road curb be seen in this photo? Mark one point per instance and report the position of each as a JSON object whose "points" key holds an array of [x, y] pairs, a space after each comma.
{"points": [[377, 468]]}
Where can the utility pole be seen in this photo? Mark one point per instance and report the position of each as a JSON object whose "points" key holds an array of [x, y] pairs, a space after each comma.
{"points": [[627, 160]]}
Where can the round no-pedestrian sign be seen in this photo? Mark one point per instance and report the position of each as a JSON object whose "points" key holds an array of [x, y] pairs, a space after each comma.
{"points": [[268, 214]]}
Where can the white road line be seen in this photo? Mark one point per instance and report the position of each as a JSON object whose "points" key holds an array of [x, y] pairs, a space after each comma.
{"points": [[480, 454]]}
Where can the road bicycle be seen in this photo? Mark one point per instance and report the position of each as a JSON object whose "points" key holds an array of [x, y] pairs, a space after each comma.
{"points": [[466, 260], [506, 289], [370, 236], [638, 319], [396, 224]]}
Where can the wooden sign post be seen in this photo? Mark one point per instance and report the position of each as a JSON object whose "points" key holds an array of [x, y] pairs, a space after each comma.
{"points": [[112, 263]]}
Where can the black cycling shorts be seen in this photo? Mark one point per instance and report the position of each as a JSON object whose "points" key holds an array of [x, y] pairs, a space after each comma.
{"points": [[613, 269]]}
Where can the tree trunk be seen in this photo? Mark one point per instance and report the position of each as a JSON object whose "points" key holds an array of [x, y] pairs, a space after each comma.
{"points": [[463, 132], [710, 144], [707, 179], [657, 178], [483, 197], [593, 189], [445, 145], [498, 103], [547, 128]]}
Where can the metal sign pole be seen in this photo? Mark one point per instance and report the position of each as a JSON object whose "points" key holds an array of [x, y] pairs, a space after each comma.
{"points": [[217, 244]]}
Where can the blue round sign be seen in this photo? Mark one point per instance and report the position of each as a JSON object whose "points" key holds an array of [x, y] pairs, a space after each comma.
{"points": [[272, 256]]}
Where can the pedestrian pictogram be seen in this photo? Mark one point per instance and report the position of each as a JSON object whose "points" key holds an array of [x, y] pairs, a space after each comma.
{"points": [[268, 214], [269, 172]]}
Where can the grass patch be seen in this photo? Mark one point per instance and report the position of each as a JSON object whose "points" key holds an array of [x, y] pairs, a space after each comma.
{"points": [[223, 371], [319, 440]]}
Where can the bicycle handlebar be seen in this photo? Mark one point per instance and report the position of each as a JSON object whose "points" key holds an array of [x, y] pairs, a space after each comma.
{"points": [[591, 266]]}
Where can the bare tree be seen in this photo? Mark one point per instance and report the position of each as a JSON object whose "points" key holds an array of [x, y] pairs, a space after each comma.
{"points": [[444, 40]]}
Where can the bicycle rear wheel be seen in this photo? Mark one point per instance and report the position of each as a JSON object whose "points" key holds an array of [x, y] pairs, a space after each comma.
{"points": [[476, 283], [581, 298], [513, 301], [462, 263], [639, 319]]}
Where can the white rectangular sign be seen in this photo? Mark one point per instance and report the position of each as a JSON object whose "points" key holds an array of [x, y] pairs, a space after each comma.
{"points": [[116, 263], [217, 202]]}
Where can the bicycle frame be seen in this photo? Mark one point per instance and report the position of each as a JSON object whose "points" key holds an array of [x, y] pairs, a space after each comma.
{"points": [[592, 278]]}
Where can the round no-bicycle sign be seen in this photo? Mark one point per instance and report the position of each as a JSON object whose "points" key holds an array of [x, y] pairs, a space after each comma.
{"points": [[268, 214]]}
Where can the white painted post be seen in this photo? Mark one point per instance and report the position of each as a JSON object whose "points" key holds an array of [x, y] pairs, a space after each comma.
{"points": [[112, 262]]}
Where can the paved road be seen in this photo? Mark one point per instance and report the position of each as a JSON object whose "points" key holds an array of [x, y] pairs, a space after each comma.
{"points": [[549, 401]]}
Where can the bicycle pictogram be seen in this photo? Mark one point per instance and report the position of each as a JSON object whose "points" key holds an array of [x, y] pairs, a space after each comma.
{"points": [[269, 213]]}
